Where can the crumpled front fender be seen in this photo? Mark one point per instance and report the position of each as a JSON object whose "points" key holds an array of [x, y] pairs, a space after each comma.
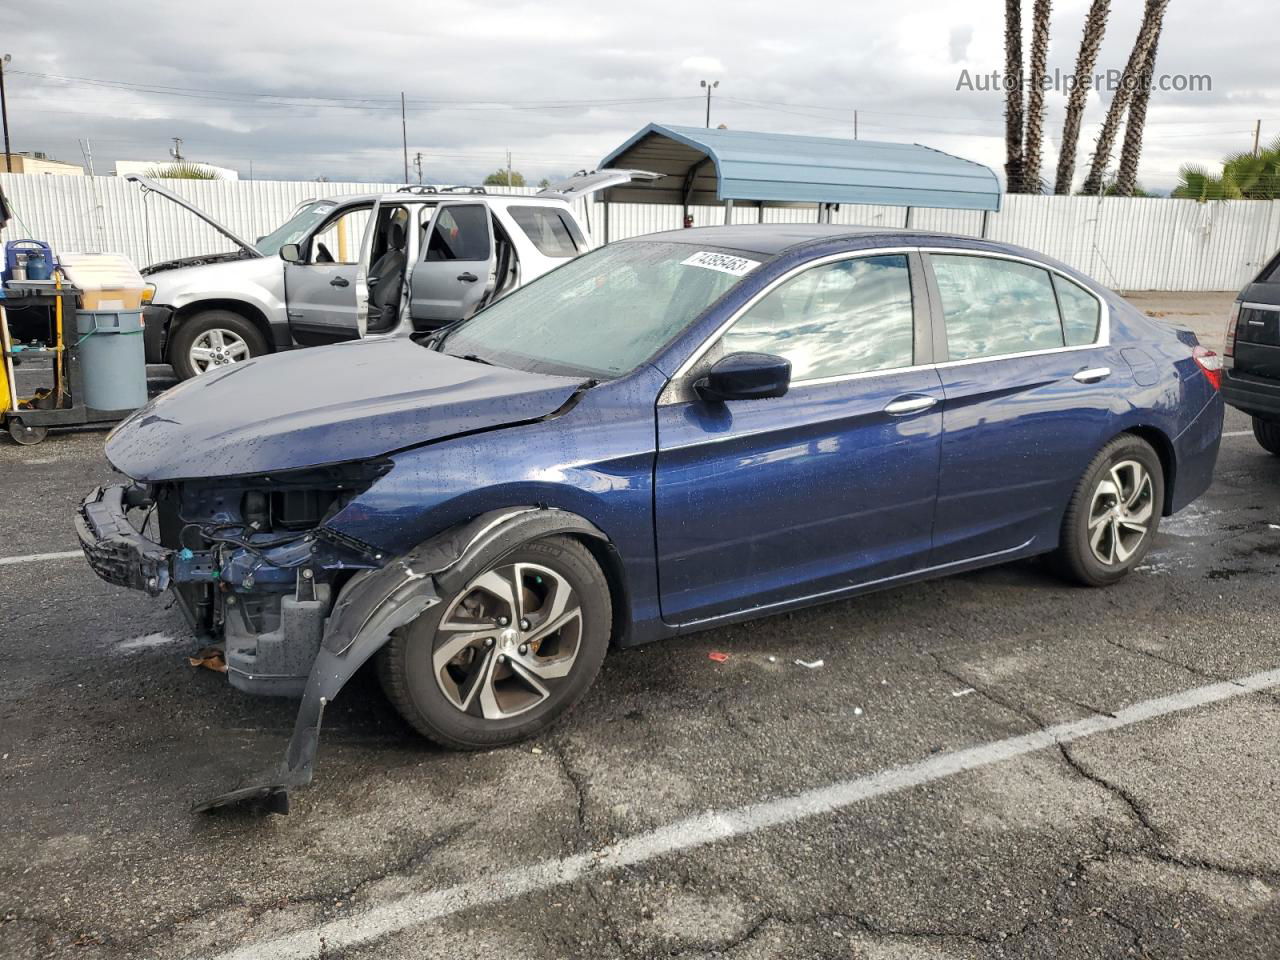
{"points": [[371, 606]]}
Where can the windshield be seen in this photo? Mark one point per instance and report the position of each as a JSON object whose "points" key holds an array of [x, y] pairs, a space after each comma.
{"points": [[296, 227], [602, 314]]}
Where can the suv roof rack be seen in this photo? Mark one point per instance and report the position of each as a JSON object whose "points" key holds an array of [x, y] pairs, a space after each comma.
{"points": [[425, 190]]}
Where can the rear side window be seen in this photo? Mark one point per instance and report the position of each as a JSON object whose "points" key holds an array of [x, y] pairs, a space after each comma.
{"points": [[995, 307], [853, 316], [552, 231], [460, 233], [1081, 312]]}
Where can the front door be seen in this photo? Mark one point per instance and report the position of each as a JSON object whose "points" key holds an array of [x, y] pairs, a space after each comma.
{"points": [[832, 486], [456, 266], [320, 291], [1030, 386]]}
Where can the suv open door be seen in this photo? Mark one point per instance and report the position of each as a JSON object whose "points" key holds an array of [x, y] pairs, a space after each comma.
{"points": [[454, 270]]}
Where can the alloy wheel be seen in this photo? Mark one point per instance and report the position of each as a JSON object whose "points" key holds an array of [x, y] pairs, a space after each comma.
{"points": [[507, 641], [1120, 513], [217, 347]]}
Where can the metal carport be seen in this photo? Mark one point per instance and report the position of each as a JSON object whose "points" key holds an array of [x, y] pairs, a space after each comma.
{"points": [[704, 166]]}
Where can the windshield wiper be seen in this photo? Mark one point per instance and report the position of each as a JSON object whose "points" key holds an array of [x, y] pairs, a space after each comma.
{"points": [[475, 358]]}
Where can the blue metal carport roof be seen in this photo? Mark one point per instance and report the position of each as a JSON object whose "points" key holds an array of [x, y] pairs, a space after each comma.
{"points": [[703, 166]]}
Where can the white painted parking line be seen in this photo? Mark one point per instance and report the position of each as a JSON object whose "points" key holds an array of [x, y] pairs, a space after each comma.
{"points": [[32, 557], [1238, 433], [696, 831]]}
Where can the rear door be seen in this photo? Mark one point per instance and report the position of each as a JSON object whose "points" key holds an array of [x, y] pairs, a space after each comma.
{"points": [[1031, 388], [759, 502], [456, 265], [320, 292]]}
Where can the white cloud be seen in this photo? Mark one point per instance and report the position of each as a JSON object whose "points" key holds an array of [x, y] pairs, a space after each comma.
{"points": [[486, 77]]}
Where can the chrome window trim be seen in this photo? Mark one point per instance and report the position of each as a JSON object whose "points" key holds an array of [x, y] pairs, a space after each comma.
{"points": [[675, 391], [1274, 307]]}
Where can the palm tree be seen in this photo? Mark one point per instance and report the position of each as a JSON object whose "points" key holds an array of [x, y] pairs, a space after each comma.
{"points": [[1131, 150], [1244, 176], [1148, 33], [1035, 97], [183, 171], [1013, 95], [1095, 27]]}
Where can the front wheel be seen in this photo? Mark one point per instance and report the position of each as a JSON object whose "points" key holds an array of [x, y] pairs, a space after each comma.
{"points": [[1113, 514], [213, 339], [1268, 435], [507, 656]]}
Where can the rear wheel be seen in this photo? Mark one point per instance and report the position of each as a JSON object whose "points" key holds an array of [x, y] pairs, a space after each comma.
{"points": [[507, 656], [1268, 435], [212, 339], [1113, 514], [24, 434]]}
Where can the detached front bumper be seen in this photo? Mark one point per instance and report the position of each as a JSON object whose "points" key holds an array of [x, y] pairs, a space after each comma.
{"points": [[115, 550]]}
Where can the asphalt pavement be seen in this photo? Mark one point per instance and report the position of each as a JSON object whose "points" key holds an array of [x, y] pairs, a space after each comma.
{"points": [[991, 765]]}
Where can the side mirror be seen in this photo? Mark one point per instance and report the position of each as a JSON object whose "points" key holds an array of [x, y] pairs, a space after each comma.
{"points": [[291, 253], [745, 376]]}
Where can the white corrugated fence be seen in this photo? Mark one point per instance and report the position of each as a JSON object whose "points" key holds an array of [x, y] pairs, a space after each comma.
{"points": [[1124, 243]]}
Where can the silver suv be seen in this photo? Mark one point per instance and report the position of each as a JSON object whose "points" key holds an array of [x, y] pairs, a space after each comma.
{"points": [[341, 267]]}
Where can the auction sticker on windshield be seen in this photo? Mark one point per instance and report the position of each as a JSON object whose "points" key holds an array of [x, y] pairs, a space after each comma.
{"points": [[724, 262]]}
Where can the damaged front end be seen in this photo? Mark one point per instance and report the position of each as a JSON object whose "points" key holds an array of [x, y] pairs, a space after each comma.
{"points": [[298, 607], [253, 567]]}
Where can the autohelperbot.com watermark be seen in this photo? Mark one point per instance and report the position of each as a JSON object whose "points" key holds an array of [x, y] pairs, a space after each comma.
{"points": [[1108, 81]]}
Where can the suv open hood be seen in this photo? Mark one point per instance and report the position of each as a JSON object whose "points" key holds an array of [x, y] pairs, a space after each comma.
{"points": [[583, 184], [323, 405], [150, 186]]}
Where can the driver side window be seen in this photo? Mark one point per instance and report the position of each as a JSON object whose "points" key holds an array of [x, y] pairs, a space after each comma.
{"points": [[851, 316], [338, 241]]}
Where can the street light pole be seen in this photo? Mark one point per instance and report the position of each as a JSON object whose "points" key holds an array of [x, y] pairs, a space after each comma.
{"points": [[710, 86], [4, 116]]}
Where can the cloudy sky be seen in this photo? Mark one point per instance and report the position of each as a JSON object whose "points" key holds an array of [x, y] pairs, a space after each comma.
{"points": [[304, 90]]}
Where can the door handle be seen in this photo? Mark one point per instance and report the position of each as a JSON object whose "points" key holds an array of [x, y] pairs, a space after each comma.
{"points": [[1091, 375], [468, 277], [905, 405], [339, 282]]}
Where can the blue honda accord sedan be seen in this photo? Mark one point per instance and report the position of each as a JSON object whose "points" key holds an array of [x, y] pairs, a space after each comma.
{"points": [[669, 433]]}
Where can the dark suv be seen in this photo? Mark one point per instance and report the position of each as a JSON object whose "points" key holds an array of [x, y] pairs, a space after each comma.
{"points": [[1251, 366]]}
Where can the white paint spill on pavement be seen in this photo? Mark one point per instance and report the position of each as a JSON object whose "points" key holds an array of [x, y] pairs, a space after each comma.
{"points": [[146, 642], [499, 887], [32, 557]]}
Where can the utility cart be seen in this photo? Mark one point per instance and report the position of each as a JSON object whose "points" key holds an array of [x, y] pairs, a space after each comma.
{"points": [[77, 353]]}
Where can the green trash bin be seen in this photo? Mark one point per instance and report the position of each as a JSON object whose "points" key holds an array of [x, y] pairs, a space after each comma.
{"points": [[112, 359]]}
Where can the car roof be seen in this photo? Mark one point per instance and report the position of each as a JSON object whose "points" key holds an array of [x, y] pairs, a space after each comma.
{"points": [[773, 239]]}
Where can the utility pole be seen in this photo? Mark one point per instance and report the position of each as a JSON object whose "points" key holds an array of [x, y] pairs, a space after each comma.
{"points": [[417, 162], [709, 87], [1257, 135], [404, 137], [855, 124], [4, 113], [508, 168]]}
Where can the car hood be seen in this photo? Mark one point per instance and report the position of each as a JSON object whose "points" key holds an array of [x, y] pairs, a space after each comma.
{"points": [[323, 405]]}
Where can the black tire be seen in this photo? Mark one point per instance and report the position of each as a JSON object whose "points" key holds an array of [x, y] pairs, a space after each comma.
{"points": [[1268, 435], [1075, 559], [409, 681], [194, 326]]}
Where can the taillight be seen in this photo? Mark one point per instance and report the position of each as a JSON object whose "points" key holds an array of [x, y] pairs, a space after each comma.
{"points": [[1229, 345], [1210, 365]]}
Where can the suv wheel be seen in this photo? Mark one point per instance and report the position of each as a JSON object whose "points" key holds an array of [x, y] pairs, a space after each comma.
{"points": [[1268, 435], [507, 656], [211, 339], [1113, 514]]}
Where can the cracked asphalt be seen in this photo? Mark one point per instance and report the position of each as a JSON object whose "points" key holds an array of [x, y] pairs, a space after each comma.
{"points": [[1157, 839]]}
